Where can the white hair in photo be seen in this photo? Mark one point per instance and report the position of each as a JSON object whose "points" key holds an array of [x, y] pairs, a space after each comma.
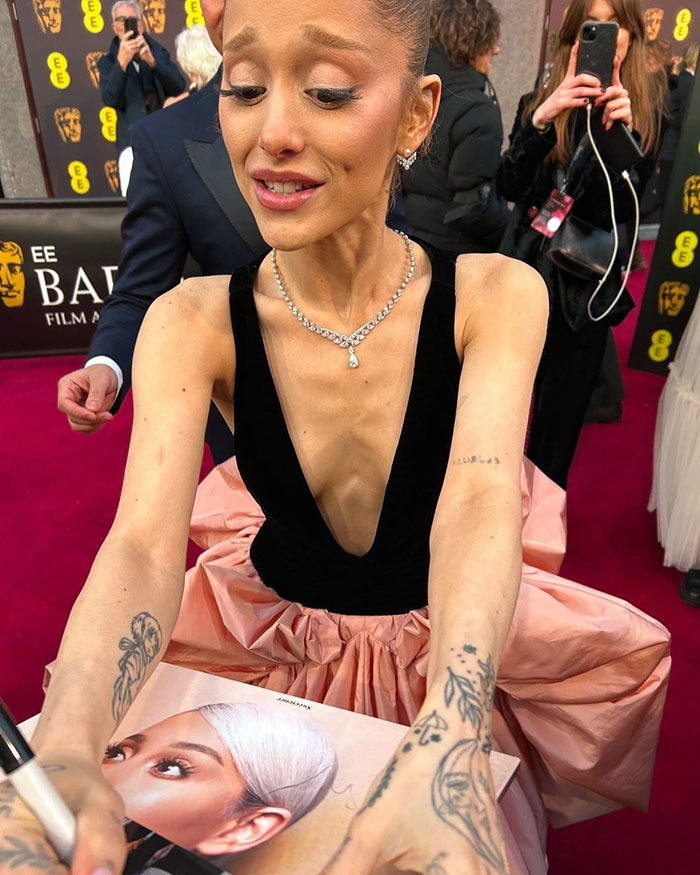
{"points": [[285, 760], [196, 54], [133, 4]]}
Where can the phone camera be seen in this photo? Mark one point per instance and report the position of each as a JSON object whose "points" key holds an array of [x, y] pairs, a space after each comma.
{"points": [[589, 32]]}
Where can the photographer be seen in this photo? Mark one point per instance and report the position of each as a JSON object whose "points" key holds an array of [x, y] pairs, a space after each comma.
{"points": [[136, 75], [544, 153]]}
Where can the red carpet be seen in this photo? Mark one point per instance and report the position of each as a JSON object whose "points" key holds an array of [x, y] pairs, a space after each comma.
{"points": [[58, 499]]}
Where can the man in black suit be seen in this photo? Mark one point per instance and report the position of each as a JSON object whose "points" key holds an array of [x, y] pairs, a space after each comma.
{"points": [[183, 199], [136, 74]]}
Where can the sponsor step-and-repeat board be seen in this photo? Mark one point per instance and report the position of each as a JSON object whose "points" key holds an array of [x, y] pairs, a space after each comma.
{"points": [[674, 276], [58, 260], [62, 41]]}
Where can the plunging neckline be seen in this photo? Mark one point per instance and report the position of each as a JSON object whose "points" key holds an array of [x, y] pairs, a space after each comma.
{"points": [[305, 489]]}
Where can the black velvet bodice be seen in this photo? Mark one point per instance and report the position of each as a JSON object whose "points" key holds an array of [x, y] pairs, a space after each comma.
{"points": [[294, 552]]}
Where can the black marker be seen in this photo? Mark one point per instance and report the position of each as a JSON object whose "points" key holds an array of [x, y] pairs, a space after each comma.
{"points": [[34, 787]]}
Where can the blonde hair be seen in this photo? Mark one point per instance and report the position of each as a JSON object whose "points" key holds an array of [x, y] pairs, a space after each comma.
{"points": [[196, 54], [285, 760], [690, 57]]}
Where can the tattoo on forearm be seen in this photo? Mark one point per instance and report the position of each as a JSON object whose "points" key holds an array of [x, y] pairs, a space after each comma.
{"points": [[435, 866], [139, 651], [384, 782], [17, 854], [461, 798], [339, 851], [429, 729], [475, 460], [8, 794], [474, 691]]}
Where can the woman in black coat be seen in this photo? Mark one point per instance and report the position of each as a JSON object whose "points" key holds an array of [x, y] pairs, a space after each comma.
{"points": [[549, 127], [451, 200]]}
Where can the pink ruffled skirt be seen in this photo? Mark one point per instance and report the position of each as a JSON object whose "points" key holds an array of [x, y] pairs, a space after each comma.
{"points": [[581, 685]]}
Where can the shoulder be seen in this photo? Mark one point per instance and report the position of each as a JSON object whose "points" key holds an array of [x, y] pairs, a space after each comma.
{"points": [[196, 303], [494, 288]]}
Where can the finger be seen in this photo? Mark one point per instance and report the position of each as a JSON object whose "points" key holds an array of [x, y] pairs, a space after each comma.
{"points": [[587, 79], [617, 63], [83, 427], [76, 412], [100, 840], [573, 60]]}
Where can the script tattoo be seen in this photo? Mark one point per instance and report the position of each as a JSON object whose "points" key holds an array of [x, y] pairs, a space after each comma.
{"points": [[381, 786], [461, 794], [475, 460], [17, 854], [139, 651]]}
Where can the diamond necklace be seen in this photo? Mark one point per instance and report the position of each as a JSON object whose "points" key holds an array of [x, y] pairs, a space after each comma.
{"points": [[349, 341]]}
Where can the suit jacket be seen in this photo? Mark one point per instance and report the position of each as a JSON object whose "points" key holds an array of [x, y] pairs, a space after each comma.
{"points": [[136, 93], [182, 199]]}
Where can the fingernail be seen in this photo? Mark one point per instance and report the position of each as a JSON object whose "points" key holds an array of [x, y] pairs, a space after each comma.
{"points": [[103, 871]]}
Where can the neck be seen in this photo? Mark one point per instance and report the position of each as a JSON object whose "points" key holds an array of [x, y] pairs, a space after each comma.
{"points": [[347, 274]]}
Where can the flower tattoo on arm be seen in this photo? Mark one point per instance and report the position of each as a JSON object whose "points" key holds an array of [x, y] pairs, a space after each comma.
{"points": [[139, 652]]}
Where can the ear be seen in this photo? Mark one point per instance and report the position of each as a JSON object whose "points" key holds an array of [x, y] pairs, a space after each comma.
{"points": [[421, 114], [247, 832], [213, 12]]}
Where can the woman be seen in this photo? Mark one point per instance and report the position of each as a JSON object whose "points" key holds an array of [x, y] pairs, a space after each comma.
{"points": [[197, 57], [223, 778], [451, 199], [387, 459], [549, 127]]}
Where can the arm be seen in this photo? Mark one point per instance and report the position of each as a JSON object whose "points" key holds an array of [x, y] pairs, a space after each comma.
{"points": [[527, 150], [123, 618], [477, 209], [112, 82], [154, 249], [433, 808]]}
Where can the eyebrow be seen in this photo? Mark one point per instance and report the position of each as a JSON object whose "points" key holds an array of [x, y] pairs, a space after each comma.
{"points": [[312, 32], [182, 745]]}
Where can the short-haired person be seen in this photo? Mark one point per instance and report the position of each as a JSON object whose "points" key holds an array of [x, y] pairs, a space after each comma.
{"points": [[197, 57], [549, 127], [223, 778], [136, 74], [451, 198], [380, 392]]}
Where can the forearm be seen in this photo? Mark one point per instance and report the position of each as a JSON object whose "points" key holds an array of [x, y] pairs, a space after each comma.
{"points": [[117, 632], [474, 581]]}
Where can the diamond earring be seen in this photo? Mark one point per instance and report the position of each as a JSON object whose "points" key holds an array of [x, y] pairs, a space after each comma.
{"points": [[407, 162]]}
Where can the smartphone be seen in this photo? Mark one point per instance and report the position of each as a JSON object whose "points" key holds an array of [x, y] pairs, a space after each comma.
{"points": [[597, 49], [617, 147], [131, 24]]}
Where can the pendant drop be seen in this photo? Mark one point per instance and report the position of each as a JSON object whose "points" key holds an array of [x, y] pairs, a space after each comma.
{"points": [[352, 358]]}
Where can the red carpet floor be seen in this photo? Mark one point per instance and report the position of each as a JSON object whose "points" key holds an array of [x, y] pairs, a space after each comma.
{"points": [[59, 492]]}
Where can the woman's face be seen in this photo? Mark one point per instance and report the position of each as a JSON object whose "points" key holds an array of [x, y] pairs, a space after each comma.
{"points": [[314, 119], [177, 778], [601, 10]]}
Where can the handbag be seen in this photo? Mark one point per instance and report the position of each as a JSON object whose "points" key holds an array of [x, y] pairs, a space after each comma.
{"points": [[581, 249]]}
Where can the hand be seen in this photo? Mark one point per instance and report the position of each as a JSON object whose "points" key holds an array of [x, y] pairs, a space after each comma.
{"points": [[433, 809], [616, 101], [169, 101], [573, 92], [145, 53], [86, 395], [128, 48], [99, 812]]}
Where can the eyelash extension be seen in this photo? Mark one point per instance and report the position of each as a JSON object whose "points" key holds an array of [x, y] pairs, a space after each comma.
{"points": [[185, 769], [337, 97], [112, 750]]}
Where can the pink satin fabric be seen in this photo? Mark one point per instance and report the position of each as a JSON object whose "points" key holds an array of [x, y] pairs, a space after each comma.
{"points": [[581, 685]]}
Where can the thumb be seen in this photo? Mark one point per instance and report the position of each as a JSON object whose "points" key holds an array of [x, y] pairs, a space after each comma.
{"points": [[573, 60], [96, 397]]}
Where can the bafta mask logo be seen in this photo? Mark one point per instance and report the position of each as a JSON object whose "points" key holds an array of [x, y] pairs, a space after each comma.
{"points": [[652, 21], [11, 274], [691, 196], [112, 174], [48, 15], [672, 297], [69, 123], [153, 15], [91, 60]]}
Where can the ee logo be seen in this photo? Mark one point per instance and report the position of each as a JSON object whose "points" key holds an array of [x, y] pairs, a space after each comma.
{"points": [[682, 28], [79, 181], [660, 342], [194, 12], [108, 117], [684, 253], [58, 65], [92, 20]]}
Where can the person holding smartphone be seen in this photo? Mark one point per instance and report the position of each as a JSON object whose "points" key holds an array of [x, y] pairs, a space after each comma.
{"points": [[544, 156], [136, 74]]}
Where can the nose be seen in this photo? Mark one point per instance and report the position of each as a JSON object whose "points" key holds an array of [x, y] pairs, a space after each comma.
{"points": [[280, 133], [5, 277], [496, 49]]}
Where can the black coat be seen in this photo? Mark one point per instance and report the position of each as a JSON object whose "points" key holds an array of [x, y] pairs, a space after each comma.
{"points": [[525, 177], [451, 201], [136, 93]]}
